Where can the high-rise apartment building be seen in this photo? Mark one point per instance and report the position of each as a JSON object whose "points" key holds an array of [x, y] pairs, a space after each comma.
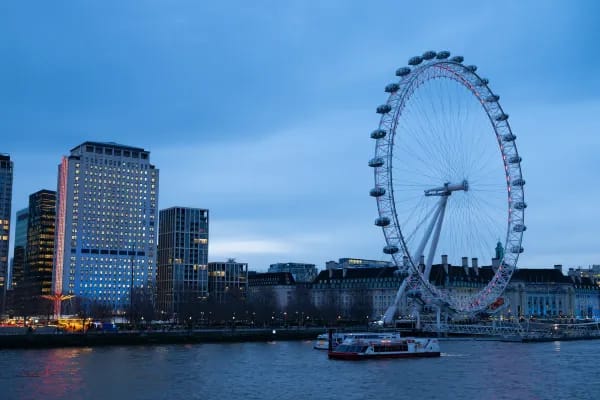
{"points": [[182, 258], [225, 278], [40, 242], [6, 179], [19, 252], [105, 229]]}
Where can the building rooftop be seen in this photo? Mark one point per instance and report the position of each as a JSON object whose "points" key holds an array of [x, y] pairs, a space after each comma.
{"points": [[356, 273], [541, 275], [271, 279], [183, 208], [482, 274], [108, 144]]}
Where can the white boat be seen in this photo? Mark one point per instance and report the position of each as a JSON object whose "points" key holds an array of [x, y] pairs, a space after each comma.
{"points": [[360, 348], [322, 342]]}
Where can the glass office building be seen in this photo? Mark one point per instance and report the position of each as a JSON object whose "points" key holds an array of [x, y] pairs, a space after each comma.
{"points": [[6, 181], [40, 242], [105, 245], [18, 264], [182, 258]]}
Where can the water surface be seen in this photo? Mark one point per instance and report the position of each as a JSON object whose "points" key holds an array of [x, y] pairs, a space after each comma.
{"points": [[293, 370]]}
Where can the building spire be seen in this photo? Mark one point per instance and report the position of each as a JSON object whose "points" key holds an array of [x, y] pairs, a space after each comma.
{"points": [[499, 250]]}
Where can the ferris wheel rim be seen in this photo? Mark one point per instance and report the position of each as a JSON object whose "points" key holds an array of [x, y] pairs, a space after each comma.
{"points": [[400, 92]]}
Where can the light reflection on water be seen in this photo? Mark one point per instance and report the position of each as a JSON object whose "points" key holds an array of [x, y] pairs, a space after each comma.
{"points": [[293, 370]]}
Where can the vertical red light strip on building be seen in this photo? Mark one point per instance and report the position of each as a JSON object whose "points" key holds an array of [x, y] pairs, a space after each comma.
{"points": [[60, 225]]}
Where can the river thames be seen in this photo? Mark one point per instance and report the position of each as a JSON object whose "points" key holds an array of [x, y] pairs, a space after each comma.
{"points": [[468, 369]]}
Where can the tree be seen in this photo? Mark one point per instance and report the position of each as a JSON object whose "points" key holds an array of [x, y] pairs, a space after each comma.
{"points": [[262, 303], [302, 305], [142, 305], [331, 308], [361, 306], [99, 310]]}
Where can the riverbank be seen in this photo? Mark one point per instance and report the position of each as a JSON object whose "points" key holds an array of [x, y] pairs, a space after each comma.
{"points": [[34, 340]]}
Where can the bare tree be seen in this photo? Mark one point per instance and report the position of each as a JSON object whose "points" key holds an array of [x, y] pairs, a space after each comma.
{"points": [[99, 310], [331, 310], [361, 305], [262, 304], [301, 305], [142, 305]]}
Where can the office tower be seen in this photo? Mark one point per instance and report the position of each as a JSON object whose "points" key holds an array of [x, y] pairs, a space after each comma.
{"points": [[105, 230], [6, 178], [182, 259], [228, 278], [19, 252], [40, 242]]}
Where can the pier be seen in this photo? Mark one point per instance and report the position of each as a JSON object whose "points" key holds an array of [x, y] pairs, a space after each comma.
{"points": [[518, 331]]}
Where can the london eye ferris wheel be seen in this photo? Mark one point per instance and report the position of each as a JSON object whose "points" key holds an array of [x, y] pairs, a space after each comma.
{"points": [[448, 178]]}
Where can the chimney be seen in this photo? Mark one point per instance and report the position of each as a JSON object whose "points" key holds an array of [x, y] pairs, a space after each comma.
{"points": [[495, 264], [405, 262], [344, 272], [445, 263], [475, 265], [558, 267], [465, 264], [330, 273]]}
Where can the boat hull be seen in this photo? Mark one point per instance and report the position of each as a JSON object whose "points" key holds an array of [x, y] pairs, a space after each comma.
{"points": [[364, 356]]}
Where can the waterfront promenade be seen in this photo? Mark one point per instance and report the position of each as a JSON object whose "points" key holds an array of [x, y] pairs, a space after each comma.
{"points": [[49, 339]]}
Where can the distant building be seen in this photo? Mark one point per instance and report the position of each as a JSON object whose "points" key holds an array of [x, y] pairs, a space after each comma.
{"points": [[356, 293], [592, 272], [19, 252], [537, 293], [182, 258], [463, 280], [277, 288], [229, 278], [301, 272], [6, 184], [357, 263], [40, 242], [531, 292], [106, 224]]}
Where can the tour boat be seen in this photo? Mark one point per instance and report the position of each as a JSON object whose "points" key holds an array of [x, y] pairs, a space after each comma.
{"points": [[355, 348], [322, 342]]}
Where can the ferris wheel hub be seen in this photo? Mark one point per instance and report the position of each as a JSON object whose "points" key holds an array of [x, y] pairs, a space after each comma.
{"points": [[448, 188]]}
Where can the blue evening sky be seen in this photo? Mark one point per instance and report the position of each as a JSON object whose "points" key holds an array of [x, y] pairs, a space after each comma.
{"points": [[261, 110]]}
